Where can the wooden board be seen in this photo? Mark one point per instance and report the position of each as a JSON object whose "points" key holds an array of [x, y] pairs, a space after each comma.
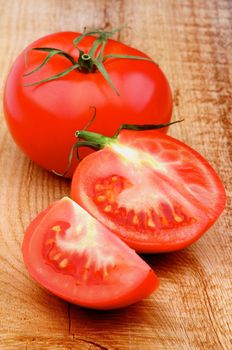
{"points": [[192, 42]]}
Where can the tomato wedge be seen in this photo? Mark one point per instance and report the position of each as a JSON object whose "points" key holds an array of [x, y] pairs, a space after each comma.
{"points": [[156, 193], [78, 259]]}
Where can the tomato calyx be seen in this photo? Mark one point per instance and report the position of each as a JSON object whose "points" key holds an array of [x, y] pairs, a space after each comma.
{"points": [[98, 141], [89, 62]]}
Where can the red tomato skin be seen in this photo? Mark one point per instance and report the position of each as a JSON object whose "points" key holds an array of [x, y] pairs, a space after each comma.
{"points": [[127, 137], [43, 119], [147, 286]]}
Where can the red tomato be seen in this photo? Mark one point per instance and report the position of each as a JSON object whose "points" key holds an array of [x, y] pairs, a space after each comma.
{"points": [[78, 259], [153, 191], [43, 118]]}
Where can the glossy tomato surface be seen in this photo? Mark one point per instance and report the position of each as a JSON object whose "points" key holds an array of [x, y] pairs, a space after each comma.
{"points": [[153, 191], [78, 259], [43, 118]]}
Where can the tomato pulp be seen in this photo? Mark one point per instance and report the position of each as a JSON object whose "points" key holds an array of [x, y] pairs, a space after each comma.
{"points": [[78, 259], [43, 118], [156, 193]]}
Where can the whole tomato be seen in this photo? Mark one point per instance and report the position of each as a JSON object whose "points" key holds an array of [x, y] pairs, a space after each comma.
{"points": [[43, 116]]}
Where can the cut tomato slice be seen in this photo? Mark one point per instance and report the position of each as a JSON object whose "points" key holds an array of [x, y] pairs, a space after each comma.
{"points": [[78, 259], [153, 191]]}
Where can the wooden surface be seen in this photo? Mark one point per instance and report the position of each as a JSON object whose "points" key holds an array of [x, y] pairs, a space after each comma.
{"points": [[192, 42]]}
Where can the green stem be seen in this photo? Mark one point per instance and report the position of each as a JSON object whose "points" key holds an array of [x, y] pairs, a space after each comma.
{"points": [[98, 141], [86, 63], [138, 127]]}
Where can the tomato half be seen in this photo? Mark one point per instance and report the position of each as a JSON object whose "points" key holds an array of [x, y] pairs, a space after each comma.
{"points": [[153, 191], [78, 259], [43, 118]]}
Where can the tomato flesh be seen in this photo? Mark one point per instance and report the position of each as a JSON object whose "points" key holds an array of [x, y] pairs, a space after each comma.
{"points": [[43, 119], [78, 259], [153, 191], [107, 192]]}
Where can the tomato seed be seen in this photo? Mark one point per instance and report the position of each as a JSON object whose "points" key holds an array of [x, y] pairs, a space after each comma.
{"points": [[108, 208], [105, 273], [56, 228], [99, 187], [150, 223], [135, 220], [178, 218], [110, 196], [100, 198], [114, 178], [63, 263], [56, 256]]}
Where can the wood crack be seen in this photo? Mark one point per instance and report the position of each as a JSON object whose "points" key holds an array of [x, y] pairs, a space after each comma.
{"points": [[99, 346]]}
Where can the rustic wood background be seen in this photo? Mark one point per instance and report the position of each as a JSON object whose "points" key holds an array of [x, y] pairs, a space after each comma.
{"points": [[192, 42]]}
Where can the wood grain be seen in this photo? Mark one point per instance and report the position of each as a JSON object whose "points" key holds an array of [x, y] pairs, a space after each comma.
{"points": [[192, 42]]}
